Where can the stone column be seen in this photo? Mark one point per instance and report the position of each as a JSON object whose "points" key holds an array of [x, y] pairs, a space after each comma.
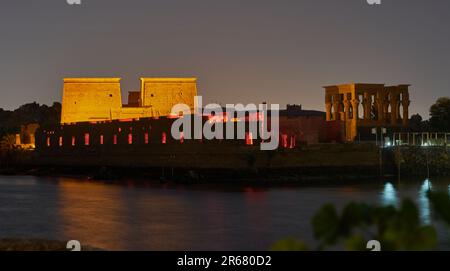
{"points": [[355, 105], [394, 109], [386, 104], [336, 106], [367, 106], [352, 132], [347, 105], [328, 106], [405, 104]]}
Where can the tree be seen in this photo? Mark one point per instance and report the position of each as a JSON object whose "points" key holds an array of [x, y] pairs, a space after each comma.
{"points": [[440, 115], [7, 148], [10, 121], [7, 143], [416, 123], [440, 202], [395, 228]]}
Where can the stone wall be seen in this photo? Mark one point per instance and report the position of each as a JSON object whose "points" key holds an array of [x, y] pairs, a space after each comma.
{"points": [[422, 161], [161, 94], [91, 99], [224, 156]]}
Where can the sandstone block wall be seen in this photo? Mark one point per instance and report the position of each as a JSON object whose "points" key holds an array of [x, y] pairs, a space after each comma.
{"points": [[91, 99]]}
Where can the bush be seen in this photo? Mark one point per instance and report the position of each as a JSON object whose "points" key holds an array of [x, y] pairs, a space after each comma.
{"points": [[395, 229]]}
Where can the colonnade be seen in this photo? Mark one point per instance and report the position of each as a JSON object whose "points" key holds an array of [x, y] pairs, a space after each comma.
{"points": [[382, 105]]}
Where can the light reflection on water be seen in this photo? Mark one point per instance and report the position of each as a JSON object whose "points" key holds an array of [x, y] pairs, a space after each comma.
{"points": [[152, 216], [424, 202], [389, 195]]}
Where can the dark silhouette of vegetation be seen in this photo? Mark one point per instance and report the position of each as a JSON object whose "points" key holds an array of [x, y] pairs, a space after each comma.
{"points": [[11, 121], [417, 124], [440, 115], [8, 150], [439, 118], [394, 228], [441, 206], [10, 154]]}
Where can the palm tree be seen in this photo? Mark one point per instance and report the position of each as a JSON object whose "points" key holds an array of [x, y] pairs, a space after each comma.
{"points": [[7, 146], [8, 143]]}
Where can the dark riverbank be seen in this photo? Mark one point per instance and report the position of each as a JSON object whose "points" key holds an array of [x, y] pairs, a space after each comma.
{"points": [[182, 175], [194, 163]]}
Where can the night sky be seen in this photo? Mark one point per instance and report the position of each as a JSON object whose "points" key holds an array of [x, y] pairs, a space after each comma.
{"points": [[279, 51]]}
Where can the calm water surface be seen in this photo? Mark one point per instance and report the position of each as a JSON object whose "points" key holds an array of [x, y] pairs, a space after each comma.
{"points": [[152, 216]]}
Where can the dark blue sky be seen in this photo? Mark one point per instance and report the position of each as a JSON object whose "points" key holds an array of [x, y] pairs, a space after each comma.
{"points": [[279, 51]]}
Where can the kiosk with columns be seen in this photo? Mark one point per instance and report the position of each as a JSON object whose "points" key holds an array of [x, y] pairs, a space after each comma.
{"points": [[362, 107]]}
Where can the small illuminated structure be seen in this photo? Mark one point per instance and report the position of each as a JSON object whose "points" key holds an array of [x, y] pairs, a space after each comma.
{"points": [[361, 107], [26, 139]]}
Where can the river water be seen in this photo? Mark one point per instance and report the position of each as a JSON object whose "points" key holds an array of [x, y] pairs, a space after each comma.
{"points": [[131, 215]]}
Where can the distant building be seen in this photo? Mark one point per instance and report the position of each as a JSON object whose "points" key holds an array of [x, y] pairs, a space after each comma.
{"points": [[296, 126], [300, 127], [27, 137], [360, 108]]}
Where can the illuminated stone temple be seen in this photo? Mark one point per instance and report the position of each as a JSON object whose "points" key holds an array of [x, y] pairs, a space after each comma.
{"points": [[361, 107], [100, 99], [94, 118]]}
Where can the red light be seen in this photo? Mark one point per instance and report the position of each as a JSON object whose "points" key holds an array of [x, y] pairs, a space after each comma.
{"points": [[292, 142], [284, 140], [249, 138], [130, 139], [146, 138], [115, 139], [101, 140], [126, 120], [60, 141], [171, 116], [73, 141], [48, 141], [86, 139], [164, 138]]}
